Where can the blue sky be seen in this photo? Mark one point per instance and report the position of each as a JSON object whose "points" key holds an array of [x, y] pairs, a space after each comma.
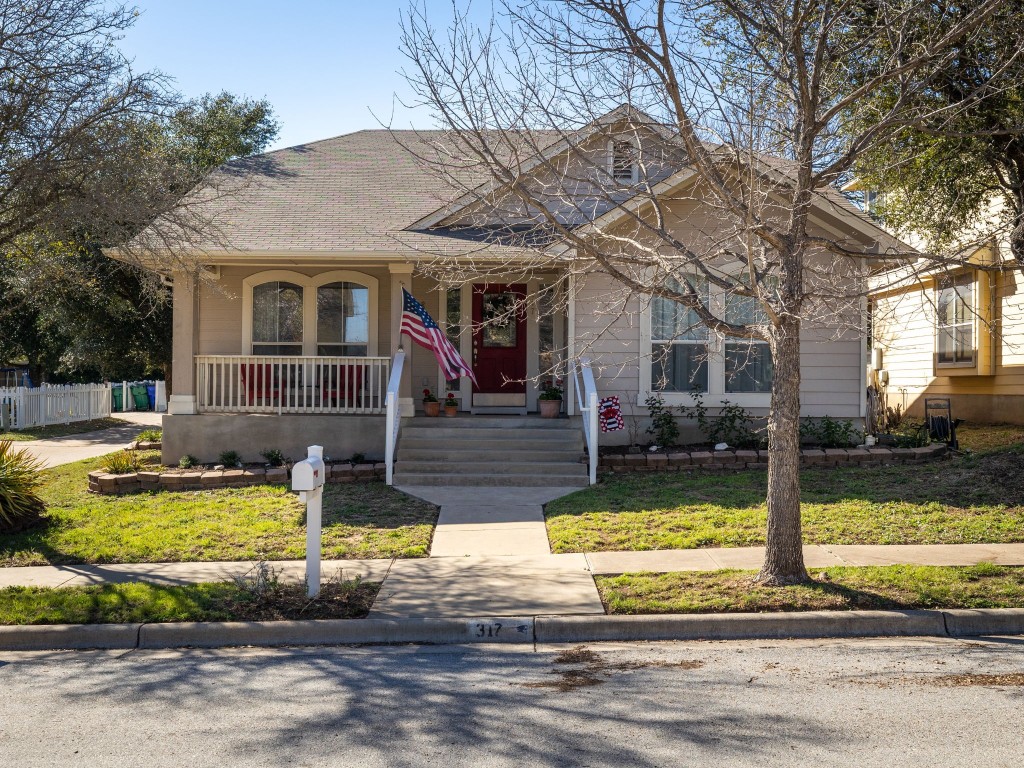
{"points": [[323, 65]]}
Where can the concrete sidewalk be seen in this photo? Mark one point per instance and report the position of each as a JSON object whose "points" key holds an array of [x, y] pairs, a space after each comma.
{"points": [[597, 563], [87, 445]]}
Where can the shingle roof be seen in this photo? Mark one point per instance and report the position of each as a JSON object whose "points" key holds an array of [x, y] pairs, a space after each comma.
{"points": [[352, 193]]}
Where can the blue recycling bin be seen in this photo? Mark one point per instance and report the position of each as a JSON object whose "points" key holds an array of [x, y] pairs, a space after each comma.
{"points": [[151, 391]]}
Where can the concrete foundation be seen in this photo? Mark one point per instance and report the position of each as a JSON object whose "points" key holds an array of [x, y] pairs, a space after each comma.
{"points": [[207, 435]]}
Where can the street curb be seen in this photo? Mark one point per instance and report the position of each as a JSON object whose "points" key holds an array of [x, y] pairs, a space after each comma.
{"points": [[52, 637], [739, 626], [337, 632], [984, 621], [517, 630]]}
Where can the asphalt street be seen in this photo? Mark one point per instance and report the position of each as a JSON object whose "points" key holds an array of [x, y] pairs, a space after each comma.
{"points": [[915, 702]]}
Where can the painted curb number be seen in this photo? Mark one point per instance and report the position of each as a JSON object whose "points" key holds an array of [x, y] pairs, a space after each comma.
{"points": [[506, 629]]}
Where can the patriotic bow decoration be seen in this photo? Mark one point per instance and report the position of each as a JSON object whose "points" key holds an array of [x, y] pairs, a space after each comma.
{"points": [[610, 415], [421, 328]]}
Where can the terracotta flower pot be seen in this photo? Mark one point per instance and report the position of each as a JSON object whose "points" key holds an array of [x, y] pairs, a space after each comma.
{"points": [[432, 409], [549, 409], [451, 410]]}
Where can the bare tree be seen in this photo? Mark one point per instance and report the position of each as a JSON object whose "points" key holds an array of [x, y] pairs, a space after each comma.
{"points": [[741, 118], [82, 139]]}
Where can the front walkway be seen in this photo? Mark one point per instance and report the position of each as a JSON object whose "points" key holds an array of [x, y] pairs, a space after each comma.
{"points": [[88, 445]]}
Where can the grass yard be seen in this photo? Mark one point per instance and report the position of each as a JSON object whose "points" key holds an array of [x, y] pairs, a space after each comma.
{"points": [[62, 430], [970, 499], [983, 438], [360, 520], [892, 587], [130, 603]]}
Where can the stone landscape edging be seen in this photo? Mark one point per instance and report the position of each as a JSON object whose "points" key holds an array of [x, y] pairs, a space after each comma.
{"points": [[740, 459], [208, 479], [519, 630]]}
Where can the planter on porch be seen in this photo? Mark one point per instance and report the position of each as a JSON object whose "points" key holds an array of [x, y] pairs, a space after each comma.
{"points": [[549, 409], [451, 406], [431, 405]]}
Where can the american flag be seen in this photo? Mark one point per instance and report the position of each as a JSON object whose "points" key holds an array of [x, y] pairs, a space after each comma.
{"points": [[422, 329]]}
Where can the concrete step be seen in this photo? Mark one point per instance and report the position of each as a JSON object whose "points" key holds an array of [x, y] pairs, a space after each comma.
{"points": [[451, 453], [531, 480], [491, 444], [481, 433], [486, 466], [465, 421]]}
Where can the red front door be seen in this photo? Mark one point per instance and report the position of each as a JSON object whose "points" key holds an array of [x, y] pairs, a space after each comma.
{"points": [[499, 340]]}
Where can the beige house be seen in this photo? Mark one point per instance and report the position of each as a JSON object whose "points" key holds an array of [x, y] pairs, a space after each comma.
{"points": [[292, 337]]}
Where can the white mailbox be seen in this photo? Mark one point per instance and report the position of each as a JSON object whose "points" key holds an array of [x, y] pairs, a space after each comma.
{"points": [[308, 475], [308, 479]]}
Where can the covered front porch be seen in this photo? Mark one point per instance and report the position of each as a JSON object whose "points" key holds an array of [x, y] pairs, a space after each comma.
{"points": [[270, 358]]}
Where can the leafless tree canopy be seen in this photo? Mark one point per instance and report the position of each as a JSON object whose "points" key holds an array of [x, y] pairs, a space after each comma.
{"points": [[80, 141], [741, 118]]}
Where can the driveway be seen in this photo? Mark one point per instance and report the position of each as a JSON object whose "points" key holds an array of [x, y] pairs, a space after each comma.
{"points": [[64, 450]]}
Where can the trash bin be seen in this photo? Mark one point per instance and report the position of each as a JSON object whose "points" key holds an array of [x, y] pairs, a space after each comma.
{"points": [[151, 392], [116, 395], [139, 397]]}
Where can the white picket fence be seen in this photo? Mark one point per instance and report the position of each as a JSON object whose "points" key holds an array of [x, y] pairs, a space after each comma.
{"points": [[54, 404]]}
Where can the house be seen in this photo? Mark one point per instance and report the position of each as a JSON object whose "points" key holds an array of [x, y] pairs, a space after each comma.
{"points": [[954, 333], [292, 334]]}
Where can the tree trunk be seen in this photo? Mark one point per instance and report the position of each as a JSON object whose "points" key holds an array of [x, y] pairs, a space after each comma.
{"points": [[784, 556]]}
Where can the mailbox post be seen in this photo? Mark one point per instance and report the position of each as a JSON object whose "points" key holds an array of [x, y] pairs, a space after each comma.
{"points": [[308, 480]]}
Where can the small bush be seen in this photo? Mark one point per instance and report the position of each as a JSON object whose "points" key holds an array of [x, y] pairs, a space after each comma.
{"points": [[188, 461], [358, 458], [273, 457], [734, 427], [20, 505], [122, 463], [830, 433], [663, 422], [912, 434], [151, 436], [230, 459]]}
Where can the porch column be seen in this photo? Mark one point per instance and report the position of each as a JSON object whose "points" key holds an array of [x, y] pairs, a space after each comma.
{"points": [[184, 344], [401, 274]]}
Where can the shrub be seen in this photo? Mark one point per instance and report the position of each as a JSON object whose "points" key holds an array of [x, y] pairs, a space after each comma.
{"points": [[733, 426], [230, 459], [20, 505], [663, 422], [912, 434], [358, 458], [151, 436], [273, 457], [830, 433], [122, 463], [188, 461]]}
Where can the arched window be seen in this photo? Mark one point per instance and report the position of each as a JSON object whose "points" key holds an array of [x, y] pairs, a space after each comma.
{"points": [[342, 319], [331, 314], [277, 319]]}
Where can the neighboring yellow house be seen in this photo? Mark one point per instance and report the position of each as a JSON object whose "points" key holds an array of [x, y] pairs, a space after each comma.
{"points": [[953, 332]]}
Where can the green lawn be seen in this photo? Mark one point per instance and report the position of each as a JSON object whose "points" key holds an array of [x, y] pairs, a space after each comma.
{"points": [[361, 520], [63, 430], [892, 587], [976, 498], [129, 603]]}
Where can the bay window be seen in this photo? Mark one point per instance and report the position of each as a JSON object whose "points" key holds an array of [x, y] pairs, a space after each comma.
{"points": [[954, 332]]}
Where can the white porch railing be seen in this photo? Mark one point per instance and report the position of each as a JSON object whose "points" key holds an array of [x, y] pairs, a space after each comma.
{"points": [[264, 384], [586, 397], [54, 404], [394, 416]]}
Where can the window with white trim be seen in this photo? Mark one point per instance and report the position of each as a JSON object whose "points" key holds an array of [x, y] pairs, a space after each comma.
{"points": [[954, 331], [679, 343], [342, 319], [622, 162], [277, 319], [748, 363]]}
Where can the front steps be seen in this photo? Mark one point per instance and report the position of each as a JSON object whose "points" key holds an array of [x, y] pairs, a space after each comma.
{"points": [[490, 451]]}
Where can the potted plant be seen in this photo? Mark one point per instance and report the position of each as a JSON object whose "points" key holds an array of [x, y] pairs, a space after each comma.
{"points": [[451, 405], [550, 401], [431, 406]]}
